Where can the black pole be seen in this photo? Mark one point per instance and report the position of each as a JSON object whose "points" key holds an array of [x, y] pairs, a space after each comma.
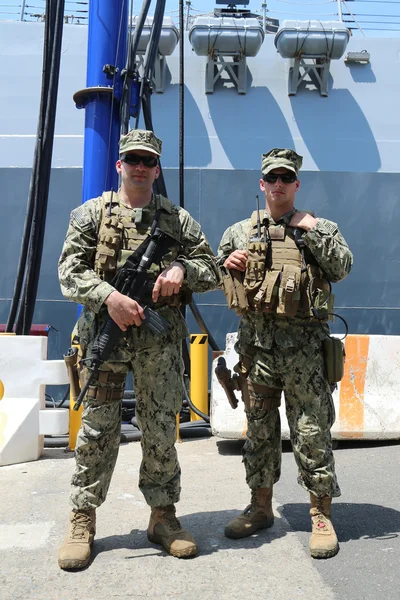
{"points": [[38, 194], [130, 69], [181, 107]]}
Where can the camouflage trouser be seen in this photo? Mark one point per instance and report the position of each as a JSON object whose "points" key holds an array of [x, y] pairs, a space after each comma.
{"points": [[299, 372], [157, 372]]}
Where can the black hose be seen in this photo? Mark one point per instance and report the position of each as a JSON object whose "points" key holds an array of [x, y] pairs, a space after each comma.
{"points": [[195, 432], [193, 424], [139, 27], [54, 36], [32, 243], [146, 84], [129, 72], [52, 441], [181, 108], [132, 434], [154, 42], [203, 327], [194, 408]]}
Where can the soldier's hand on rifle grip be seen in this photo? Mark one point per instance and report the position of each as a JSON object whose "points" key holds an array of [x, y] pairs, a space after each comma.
{"points": [[124, 311], [169, 282], [237, 260]]}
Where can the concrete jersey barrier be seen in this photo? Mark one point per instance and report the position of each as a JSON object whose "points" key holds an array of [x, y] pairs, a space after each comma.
{"points": [[24, 420], [366, 401]]}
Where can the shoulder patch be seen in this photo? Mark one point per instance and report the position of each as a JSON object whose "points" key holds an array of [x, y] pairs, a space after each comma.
{"points": [[194, 230], [81, 217], [331, 227]]}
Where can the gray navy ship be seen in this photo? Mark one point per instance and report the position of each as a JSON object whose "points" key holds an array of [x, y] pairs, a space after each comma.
{"points": [[251, 83]]}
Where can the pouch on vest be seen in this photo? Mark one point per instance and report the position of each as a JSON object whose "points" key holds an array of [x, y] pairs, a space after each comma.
{"points": [[334, 357], [234, 290], [266, 297], [109, 244], [289, 291], [255, 266]]}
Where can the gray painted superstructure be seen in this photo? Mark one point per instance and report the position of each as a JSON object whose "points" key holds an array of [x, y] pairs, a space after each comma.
{"points": [[350, 142]]}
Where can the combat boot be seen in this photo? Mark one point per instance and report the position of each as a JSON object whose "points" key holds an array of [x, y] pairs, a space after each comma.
{"points": [[165, 529], [323, 541], [76, 549], [257, 515]]}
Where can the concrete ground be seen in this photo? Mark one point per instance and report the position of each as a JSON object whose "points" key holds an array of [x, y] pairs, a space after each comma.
{"points": [[272, 565]]}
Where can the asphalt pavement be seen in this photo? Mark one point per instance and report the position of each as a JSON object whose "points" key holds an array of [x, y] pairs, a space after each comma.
{"points": [[275, 564]]}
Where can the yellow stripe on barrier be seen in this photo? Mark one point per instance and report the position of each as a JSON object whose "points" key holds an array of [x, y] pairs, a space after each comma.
{"points": [[75, 419], [3, 423], [178, 432], [198, 339], [199, 374], [3, 417], [351, 399]]}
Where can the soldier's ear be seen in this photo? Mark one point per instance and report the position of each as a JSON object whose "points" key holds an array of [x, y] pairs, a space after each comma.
{"points": [[297, 184], [118, 166], [157, 172]]}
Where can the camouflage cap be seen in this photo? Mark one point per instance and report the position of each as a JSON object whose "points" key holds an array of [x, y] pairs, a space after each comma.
{"points": [[140, 139], [281, 158]]}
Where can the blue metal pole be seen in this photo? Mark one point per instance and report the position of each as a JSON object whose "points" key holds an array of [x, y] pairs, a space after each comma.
{"points": [[107, 46]]}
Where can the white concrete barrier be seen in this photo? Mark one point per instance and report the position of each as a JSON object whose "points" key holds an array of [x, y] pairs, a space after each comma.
{"points": [[24, 420], [366, 401]]}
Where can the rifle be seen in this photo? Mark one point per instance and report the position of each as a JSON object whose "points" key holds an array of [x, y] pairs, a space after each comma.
{"points": [[130, 281]]}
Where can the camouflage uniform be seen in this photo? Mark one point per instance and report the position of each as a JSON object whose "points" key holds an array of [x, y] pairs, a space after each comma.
{"points": [[285, 354], [155, 360]]}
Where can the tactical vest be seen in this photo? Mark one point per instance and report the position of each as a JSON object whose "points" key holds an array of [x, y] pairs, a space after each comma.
{"points": [[278, 280], [121, 233]]}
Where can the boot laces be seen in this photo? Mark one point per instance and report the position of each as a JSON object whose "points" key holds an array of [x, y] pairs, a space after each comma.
{"points": [[249, 509], [171, 521], [253, 506], [80, 525], [322, 520]]}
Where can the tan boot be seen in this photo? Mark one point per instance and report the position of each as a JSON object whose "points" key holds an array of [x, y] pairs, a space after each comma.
{"points": [[257, 515], [165, 529], [323, 541], [76, 549]]}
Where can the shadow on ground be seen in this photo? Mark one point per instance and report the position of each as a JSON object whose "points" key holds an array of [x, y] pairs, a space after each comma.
{"points": [[352, 521], [206, 527], [234, 447], [57, 454]]}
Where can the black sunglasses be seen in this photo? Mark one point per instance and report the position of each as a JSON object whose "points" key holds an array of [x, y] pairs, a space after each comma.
{"points": [[284, 177], [135, 159]]}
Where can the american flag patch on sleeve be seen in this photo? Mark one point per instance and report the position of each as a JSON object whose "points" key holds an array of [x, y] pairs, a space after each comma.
{"points": [[81, 217]]}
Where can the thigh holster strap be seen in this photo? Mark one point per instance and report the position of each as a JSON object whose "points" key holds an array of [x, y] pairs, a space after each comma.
{"points": [[262, 396], [112, 380], [110, 386]]}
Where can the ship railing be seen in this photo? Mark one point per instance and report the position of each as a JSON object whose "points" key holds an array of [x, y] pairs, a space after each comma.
{"points": [[364, 17]]}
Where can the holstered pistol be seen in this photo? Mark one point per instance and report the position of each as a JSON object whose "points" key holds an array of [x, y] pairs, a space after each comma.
{"points": [[228, 382]]}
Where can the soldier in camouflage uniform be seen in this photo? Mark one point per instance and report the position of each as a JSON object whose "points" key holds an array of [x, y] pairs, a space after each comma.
{"points": [[102, 233], [285, 299]]}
